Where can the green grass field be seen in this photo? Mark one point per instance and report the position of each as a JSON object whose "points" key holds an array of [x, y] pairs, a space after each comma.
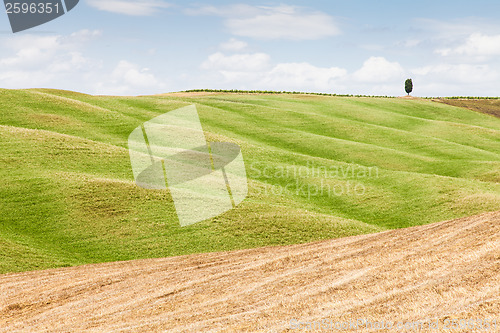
{"points": [[68, 196]]}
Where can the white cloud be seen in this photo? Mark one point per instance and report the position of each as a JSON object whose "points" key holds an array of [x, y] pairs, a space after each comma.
{"points": [[457, 73], [60, 62], [73, 61], [278, 22], [299, 76], [412, 43], [456, 80], [254, 62], [129, 7], [53, 55], [456, 29], [255, 71], [85, 35], [476, 45], [19, 42], [127, 78], [132, 74], [30, 51], [239, 10], [234, 45], [379, 70], [24, 79]]}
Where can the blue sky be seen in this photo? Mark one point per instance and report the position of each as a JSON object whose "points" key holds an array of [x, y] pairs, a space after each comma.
{"points": [[124, 47]]}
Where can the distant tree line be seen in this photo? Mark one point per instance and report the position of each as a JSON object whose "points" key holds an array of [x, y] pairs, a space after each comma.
{"points": [[469, 97], [236, 91], [462, 97]]}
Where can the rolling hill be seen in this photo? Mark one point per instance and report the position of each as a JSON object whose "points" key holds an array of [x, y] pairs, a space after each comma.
{"points": [[68, 197]]}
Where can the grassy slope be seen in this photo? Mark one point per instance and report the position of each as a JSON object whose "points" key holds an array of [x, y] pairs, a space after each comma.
{"points": [[68, 195]]}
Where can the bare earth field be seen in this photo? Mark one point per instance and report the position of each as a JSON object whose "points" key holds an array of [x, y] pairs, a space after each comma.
{"points": [[446, 270], [488, 106]]}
